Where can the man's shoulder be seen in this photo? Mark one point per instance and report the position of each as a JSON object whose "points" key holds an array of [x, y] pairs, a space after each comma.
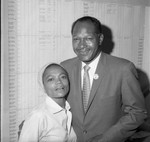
{"points": [[116, 60], [70, 62], [117, 63]]}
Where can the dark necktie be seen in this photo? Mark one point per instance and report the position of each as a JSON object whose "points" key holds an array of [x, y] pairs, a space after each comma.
{"points": [[86, 87]]}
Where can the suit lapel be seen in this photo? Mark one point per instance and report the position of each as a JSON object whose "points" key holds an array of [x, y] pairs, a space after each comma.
{"points": [[77, 86], [97, 80]]}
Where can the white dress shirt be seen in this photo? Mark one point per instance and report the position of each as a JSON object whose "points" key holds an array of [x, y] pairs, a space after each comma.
{"points": [[48, 123], [93, 66]]}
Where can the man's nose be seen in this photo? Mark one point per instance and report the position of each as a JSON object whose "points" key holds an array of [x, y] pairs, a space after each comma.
{"points": [[82, 43]]}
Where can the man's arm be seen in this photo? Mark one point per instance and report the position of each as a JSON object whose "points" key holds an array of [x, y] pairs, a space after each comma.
{"points": [[133, 107]]}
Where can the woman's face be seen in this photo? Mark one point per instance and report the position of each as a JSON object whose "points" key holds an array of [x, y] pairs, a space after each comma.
{"points": [[55, 81]]}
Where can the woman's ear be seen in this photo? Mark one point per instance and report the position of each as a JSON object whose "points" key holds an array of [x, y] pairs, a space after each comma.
{"points": [[101, 38]]}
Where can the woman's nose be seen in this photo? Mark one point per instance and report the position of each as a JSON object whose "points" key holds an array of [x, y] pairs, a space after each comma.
{"points": [[59, 81]]}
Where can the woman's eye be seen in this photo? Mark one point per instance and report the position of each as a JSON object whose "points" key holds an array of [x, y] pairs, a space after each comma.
{"points": [[50, 79], [64, 77]]}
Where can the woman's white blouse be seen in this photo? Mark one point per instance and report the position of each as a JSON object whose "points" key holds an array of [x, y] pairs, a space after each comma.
{"points": [[48, 123]]}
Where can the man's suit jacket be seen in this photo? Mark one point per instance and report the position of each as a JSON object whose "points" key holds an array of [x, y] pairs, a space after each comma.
{"points": [[116, 104]]}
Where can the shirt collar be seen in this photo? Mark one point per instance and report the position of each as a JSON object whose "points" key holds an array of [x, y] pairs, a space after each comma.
{"points": [[94, 63], [54, 107]]}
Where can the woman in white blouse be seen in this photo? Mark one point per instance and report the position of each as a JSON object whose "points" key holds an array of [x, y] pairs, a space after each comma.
{"points": [[50, 121]]}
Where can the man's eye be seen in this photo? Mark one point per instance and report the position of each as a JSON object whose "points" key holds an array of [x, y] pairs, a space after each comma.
{"points": [[76, 39], [89, 38]]}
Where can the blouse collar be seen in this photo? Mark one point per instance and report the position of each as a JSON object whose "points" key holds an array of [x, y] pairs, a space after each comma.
{"points": [[54, 107]]}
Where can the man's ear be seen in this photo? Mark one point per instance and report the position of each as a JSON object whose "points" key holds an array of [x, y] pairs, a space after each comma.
{"points": [[101, 38]]}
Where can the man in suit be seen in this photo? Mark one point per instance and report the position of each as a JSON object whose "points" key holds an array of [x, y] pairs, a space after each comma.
{"points": [[115, 105]]}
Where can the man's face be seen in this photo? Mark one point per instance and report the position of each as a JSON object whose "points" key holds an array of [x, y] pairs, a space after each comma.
{"points": [[86, 41]]}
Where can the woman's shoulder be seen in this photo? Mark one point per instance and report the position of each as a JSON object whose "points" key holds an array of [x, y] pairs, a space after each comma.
{"points": [[38, 112]]}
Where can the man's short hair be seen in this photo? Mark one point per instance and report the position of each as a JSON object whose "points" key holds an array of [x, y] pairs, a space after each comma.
{"points": [[93, 20]]}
